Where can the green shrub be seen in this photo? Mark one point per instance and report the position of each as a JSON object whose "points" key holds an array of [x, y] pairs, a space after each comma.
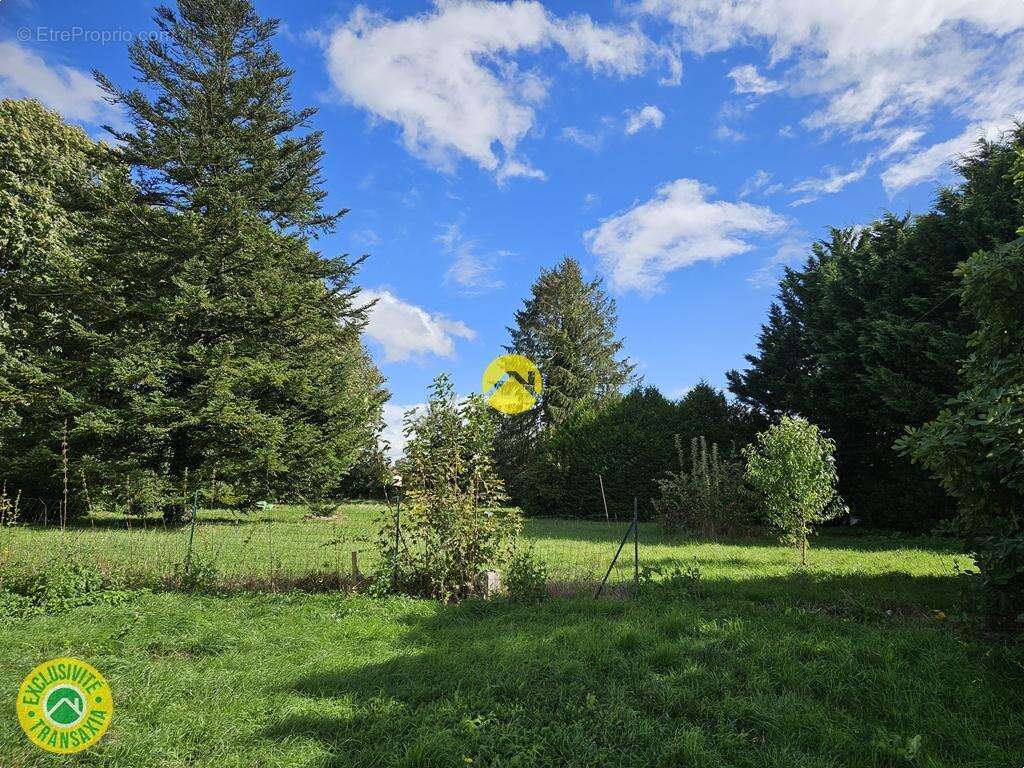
{"points": [[452, 527], [526, 577], [976, 444], [628, 440], [707, 501], [791, 467]]}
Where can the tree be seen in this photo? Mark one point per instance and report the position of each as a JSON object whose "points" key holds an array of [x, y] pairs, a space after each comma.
{"points": [[976, 443], [628, 440], [567, 328], [62, 291], [252, 367], [792, 469], [451, 528], [866, 338]]}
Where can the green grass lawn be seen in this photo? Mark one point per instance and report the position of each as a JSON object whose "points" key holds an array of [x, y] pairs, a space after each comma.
{"points": [[864, 658], [325, 680]]}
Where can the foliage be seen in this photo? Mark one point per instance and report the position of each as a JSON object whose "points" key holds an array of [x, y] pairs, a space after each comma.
{"points": [[678, 580], [976, 443], [866, 339], [61, 291], [567, 328], [67, 583], [792, 469], [708, 499], [628, 441], [526, 577], [179, 319], [451, 526], [265, 380]]}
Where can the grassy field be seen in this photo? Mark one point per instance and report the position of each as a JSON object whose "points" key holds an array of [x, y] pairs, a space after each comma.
{"points": [[285, 543], [864, 658]]}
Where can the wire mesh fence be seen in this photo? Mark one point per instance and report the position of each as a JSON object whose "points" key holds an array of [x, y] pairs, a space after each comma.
{"points": [[289, 545]]}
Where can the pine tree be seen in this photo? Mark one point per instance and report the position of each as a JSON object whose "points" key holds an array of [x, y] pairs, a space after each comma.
{"points": [[567, 327], [258, 373]]}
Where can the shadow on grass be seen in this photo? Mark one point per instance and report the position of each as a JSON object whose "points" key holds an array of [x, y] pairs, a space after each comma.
{"points": [[660, 682]]}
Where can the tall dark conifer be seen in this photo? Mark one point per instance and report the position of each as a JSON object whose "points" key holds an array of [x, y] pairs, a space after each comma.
{"points": [[259, 375], [568, 328]]}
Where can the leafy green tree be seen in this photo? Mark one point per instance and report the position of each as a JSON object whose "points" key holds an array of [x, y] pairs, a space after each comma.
{"points": [[61, 292], [251, 366], [867, 338], [451, 528], [791, 468], [976, 443], [629, 441]]}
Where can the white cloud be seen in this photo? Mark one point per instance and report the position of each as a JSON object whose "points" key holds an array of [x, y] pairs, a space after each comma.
{"points": [[728, 133], [929, 163], [790, 251], [757, 182], [877, 66], [450, 80], [591, 141], [835, 181], [747, 79], [405, 331], [649, 116], [470, 270], [69, 91], [679, 226]]}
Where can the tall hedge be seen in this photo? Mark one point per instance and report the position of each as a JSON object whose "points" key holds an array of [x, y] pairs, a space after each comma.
{"points": [[628, 441]]}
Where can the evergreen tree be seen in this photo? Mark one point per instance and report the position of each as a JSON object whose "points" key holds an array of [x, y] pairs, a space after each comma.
{"points": [[257, 370], [59, 292], [567, 328], [866, 338]]}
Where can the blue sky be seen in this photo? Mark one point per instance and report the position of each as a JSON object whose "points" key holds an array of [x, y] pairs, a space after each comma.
{"points": [[682, 150]]}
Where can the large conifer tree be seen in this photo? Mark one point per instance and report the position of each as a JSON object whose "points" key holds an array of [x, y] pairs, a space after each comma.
{"points": [[568, 328], [257, 370]]}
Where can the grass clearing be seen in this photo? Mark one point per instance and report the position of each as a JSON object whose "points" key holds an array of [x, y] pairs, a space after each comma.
{"points": [[323, 680], [877, 570], [861, 659]]}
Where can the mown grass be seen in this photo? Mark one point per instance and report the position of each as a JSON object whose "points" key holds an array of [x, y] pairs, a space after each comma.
{"points": [[330, 681]]}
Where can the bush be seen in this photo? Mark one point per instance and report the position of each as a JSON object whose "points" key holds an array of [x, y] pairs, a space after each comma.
{"points": [[526, 577], [709, 500], [976, 444], [792, 470], [629, 441], [452, 528]]}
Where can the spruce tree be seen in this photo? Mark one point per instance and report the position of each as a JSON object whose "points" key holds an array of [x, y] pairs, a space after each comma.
{"points": [[567, 327], [258, 373]]}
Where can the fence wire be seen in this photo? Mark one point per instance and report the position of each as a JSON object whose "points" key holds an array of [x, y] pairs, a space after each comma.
{"points": [[284, 545]]}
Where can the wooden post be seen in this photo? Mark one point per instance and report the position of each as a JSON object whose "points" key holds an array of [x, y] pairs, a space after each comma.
{"points": [[355, 564]]}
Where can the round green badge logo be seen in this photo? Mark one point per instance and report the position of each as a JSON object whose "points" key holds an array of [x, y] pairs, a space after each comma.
{"points": [[511, 384], [65, 706]]}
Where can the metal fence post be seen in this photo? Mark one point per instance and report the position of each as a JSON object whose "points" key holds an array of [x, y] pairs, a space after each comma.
{"points": [[636, 549]]}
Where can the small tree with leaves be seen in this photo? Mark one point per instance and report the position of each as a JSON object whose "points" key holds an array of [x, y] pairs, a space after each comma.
{"points": [[453, 528], [791, 467]]}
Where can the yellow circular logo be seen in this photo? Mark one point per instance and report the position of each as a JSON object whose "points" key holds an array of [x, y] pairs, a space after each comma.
{"points": [[65, 706], [511, 384]]}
